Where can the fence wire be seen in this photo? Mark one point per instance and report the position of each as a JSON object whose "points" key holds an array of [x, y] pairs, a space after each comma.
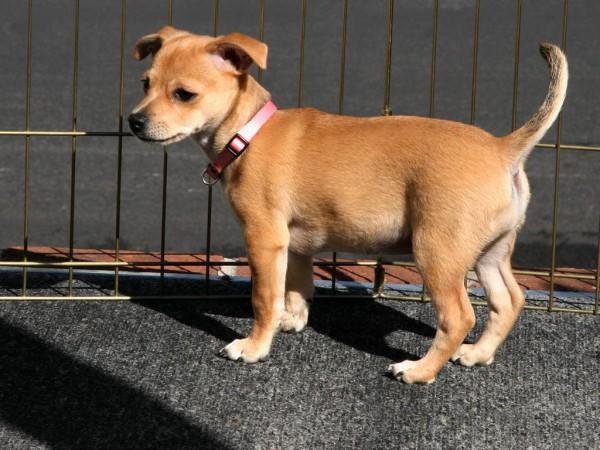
{"points": [[334, 263]]}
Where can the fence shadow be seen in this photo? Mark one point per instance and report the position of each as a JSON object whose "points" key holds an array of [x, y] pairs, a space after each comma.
{"points": [[360, 323]]}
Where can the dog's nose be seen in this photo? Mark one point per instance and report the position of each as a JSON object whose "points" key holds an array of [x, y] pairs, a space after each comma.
{"points": [[137, 122]]}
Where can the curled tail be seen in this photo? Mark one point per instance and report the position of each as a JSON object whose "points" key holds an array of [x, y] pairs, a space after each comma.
{"points": [[522, 140]]}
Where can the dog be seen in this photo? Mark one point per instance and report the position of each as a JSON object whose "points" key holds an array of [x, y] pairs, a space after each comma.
{"points": [[450, 193]]}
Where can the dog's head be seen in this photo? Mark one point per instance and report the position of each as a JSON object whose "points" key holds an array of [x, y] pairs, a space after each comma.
{"points": [[192, 82]]}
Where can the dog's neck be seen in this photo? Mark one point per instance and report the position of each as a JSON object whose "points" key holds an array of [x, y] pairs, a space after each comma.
{"points": [[251, 97]]}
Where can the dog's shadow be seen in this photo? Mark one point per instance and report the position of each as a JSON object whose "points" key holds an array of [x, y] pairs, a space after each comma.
{"points": [[360, 323]]}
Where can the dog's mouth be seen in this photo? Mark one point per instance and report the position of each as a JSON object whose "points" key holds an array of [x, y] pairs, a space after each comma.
{"points": [[165, 141]]}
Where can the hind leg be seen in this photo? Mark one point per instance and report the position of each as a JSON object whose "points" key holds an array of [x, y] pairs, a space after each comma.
{"points": [[505, 300], [299, 289], [443, 274]]}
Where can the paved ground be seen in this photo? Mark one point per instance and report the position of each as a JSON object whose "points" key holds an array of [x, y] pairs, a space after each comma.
{"points": [[194, 264], [97, 108], [88, 375]]}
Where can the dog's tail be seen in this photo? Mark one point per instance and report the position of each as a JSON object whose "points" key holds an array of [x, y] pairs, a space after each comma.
{"points": [[522, 140]]}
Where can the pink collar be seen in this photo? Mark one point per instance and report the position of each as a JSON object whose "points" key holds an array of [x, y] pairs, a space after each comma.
{"points": [[238, 143]]}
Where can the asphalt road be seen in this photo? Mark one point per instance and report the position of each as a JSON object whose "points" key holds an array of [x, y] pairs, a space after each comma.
{"points": [[98, 102]]}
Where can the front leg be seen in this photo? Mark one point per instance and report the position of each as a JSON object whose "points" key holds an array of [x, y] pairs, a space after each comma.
{"points": [[267, 255]]}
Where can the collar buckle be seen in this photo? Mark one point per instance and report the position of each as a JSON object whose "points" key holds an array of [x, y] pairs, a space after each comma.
{"points": [[237, 144]]}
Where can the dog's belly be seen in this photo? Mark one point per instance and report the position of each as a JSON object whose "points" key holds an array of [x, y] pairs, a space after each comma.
{"points": [[381, 234]]}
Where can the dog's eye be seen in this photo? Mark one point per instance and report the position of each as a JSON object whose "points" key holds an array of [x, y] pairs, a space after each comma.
{"points": [[146, 84], [183, 95]]}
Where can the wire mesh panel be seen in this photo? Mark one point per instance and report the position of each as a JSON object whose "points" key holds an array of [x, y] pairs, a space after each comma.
{"points": [[114, 261]]}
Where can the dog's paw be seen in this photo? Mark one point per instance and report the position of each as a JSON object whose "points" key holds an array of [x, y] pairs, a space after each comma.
{"points": [[246, 350], [410, 372], [469, 355], [294, 322]]}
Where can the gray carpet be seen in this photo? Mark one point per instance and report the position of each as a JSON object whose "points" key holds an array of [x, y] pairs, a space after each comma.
{"points": [[112, 375]]}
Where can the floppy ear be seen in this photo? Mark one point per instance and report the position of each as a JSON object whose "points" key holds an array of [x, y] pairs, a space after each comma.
{"points": [[238, 51], [151, 43]]}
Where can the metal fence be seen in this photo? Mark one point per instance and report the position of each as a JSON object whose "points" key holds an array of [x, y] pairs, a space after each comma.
{"points": [[377, 265]]}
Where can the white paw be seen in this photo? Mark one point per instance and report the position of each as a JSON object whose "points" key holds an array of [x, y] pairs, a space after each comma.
{"points": [[245, 349], [469, 355], [294, 322], [401, 367], [402, 370]]}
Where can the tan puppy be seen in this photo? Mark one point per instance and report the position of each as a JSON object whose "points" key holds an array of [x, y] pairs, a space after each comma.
{"points": [[451, 193]]}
